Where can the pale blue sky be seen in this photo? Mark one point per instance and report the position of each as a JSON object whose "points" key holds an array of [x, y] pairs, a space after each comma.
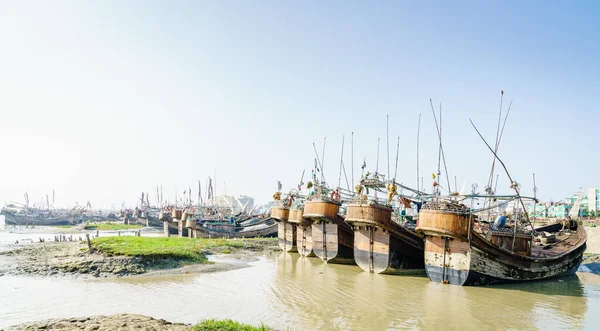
{"points": [[101, 100]]}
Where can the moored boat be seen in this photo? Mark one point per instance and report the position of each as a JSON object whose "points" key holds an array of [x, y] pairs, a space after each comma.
{"points": [[263, 229], [382, 245], [286, 231], [332, 238], [304, 242], [462, 251]]}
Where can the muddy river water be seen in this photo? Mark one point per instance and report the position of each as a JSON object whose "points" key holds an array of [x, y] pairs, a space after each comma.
{"points": [[285, 291]]}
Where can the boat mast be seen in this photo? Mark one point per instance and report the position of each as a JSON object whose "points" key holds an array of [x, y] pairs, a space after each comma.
{"points": [[534, 200], [377, 164], [352, 159], [441, 156], [341, 164], [514, 185], [396, 167], [387, 138], [323, 161], [318, 162], [418, 133]]}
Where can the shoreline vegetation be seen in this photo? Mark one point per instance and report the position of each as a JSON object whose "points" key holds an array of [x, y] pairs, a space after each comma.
{"points": [[134, 322], [120, 256], [107, 226]]}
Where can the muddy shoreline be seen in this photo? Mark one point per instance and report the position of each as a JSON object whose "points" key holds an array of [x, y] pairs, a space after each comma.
{"points": [[101, 323], [72, 259]]}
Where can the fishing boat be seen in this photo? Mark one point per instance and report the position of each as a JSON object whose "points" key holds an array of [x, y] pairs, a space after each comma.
{"points": [[304, 242], [381, 244], [461, 250], [462, 247], [332, 238], [267, 228], [174, 222], [286, 231], [22, 215]]}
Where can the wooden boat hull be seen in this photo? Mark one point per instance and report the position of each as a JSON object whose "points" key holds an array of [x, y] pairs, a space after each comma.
{"points": [[455, 261], [11, 219], [332, 238], [381, 245], [304, 242], [379, 251], [266, 232], [457, 254], [286, 236], [333, 241]]}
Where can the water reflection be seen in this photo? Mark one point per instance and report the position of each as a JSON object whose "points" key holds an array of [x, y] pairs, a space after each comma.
{"points": [[287, 290]]}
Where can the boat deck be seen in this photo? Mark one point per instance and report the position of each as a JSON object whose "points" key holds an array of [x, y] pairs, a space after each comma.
{"points": [[565, 241]]}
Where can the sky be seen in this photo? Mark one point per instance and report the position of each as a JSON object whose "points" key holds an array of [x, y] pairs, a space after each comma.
{"points": [[101, 100]]}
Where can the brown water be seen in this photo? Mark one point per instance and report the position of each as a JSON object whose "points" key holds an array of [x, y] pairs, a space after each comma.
{"points": [[284, 290]]}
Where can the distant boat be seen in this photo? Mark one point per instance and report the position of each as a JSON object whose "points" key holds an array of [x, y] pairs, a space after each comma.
{"points": [[18, 215]]}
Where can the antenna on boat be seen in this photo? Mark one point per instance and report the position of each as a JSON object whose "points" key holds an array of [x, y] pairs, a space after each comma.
{"points": [[418, 133], [513, 184], [441, 155], [341, 163], [397, 152], [352, 159], [387, 138]]}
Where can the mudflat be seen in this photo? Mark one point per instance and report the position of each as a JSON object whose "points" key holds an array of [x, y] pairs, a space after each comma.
{"points": [[128, 256], [102, 323]]}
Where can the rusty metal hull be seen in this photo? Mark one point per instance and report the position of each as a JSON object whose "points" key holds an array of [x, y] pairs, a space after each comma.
{"points": [[304, 241], [456, 261], [379, 251], [333, 240], [286, 236]]}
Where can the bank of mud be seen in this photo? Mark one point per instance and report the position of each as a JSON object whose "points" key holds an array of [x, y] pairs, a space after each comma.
{"points": [[101, 323], [72, 259]]}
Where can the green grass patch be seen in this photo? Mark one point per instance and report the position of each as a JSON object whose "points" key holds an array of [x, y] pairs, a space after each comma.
{"points": [[227, 325], [111, 226], [63, 226], [186, 249]]}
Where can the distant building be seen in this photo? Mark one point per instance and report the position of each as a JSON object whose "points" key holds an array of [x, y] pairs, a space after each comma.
{"points": [[550, 209], [593, 199], [590, 203]]}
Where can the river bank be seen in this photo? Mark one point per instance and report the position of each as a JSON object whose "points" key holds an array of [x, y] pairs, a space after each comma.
{"points": [[128, 256], [131, 322]]}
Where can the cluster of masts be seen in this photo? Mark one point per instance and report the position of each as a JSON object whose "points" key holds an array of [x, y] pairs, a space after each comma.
{"points": [[372, 185]]}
